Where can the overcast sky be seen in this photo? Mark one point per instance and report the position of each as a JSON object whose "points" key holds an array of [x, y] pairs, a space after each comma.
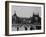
{"points": [[25, 11]]}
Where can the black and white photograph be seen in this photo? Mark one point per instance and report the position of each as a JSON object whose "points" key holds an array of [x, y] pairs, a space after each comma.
{"points": [[25, 17]]}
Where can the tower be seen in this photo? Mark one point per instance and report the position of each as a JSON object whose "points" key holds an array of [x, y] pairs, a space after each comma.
{"points": [[35, 15], [36, 18]]}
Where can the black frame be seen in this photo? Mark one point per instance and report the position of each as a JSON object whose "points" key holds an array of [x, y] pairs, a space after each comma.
{"points": [[7, 17]]}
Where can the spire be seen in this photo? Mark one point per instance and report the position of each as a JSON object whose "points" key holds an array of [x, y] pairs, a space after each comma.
{"points": [[36, 14], [15, 13], [33, 13]]}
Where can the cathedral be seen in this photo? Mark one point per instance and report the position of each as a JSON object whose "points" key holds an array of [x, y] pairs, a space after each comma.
{"points": [[31, 23]]}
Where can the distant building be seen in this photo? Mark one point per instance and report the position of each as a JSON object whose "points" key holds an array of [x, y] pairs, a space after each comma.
{"points": [[26, 23], [19, 20], [36, 19]]}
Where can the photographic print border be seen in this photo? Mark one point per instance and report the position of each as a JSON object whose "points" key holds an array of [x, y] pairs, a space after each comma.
{"points": [[7, 17]]}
